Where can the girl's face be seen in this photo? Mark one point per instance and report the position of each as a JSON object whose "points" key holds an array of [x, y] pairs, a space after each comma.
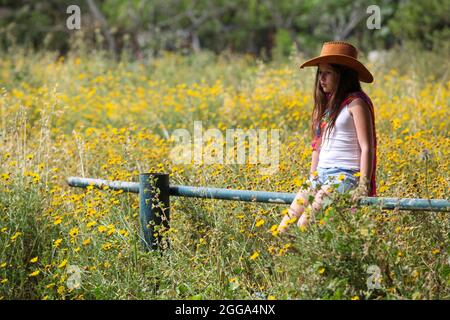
{"points": [[327, 78]]}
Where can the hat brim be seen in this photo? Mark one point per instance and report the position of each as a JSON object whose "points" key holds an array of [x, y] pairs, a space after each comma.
{"points": [[364, 75]]}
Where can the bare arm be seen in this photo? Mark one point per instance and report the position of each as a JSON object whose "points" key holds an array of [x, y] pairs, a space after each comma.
{"points": [[363, 123], [314, 161]]}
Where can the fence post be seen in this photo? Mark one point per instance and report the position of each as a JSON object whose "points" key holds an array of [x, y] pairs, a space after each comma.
{"points": [[154, 208]]}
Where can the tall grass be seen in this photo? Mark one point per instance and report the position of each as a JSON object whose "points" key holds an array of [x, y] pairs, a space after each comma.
{"points": [[88, 116]]}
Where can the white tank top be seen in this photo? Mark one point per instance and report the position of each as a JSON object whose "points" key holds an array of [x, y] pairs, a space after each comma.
{"points": [[341, 149]]}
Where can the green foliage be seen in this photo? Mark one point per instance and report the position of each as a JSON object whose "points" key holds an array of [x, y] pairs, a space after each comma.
{"points": [[24, 235], [425, 22], [283, 43], [260, 27], [372, 254]]}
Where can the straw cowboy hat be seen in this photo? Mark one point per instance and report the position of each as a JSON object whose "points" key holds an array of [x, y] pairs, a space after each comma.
{"points": [[343, 53]]}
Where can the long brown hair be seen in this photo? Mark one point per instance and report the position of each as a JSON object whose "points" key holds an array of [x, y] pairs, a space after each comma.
{"points": [[347, 82]]}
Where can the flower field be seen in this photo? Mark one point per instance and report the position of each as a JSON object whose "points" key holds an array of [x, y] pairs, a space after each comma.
{"points": [[88, 116]]}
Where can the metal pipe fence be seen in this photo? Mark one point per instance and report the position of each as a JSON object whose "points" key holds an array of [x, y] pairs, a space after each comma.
{"points": [[154, 199]]}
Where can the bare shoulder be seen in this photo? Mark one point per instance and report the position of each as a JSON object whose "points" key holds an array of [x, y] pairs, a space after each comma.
{"points": [[357, 105]]}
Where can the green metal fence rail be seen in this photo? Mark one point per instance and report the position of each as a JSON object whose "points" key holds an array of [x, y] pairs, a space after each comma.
{"points": [[154, 204]]}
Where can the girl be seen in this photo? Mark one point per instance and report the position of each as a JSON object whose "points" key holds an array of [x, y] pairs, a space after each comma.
{"points": [[344, 138]]}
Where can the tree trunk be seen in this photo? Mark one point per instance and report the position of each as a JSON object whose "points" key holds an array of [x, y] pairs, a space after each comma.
{"points": [[104, 25]]}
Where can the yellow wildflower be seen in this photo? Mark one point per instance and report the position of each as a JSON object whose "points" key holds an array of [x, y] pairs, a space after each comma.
{"points": [[111, 230], [91, 224], [62, 264], [254, 255], [259, 223], [106, 246], [435, 251], [61, 290], [102, 229], [73, 232], [17, 234], [5, 176], [57, 243], [35, 273]]}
